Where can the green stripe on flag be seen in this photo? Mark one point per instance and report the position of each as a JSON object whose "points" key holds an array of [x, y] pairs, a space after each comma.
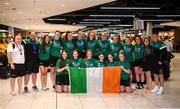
{"points": [[78, 80]]}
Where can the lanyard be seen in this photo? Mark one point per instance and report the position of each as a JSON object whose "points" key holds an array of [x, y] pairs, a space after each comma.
{"points": [[19, 48]]}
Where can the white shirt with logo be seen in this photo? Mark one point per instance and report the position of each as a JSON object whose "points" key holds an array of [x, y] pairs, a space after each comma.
{"points": [[17, 53]]}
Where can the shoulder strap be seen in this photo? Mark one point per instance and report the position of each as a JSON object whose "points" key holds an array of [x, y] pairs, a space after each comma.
{"points": [[13, 46]]}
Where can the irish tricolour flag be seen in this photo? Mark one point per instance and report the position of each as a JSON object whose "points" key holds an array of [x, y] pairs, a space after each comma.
{"points": [[106, 79]]}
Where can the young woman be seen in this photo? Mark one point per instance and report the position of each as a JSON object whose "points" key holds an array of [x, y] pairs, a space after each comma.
{"points": [[54, 55], [138, 56], [148, 63], [111, 61], [157, 65], [104, 45], [128, 50], [80, 44], [101, 62], [44, 50], [62, 78], [115, 47], [125, 73], [69, 44], [75, 61], [16, 59], [91, 44], [89, 61]]}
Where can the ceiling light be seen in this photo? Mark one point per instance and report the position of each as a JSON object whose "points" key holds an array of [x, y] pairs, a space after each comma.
{"points": [[56, 19], [19, 12], [112, 15], [96, 22], [6, 3], [146, 8], [167, 15], [121, 25], [157, 20], [101, 19], [62, 4]]}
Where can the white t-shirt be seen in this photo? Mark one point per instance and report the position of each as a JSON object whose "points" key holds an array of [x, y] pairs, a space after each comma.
{"points": [[17, 53]]}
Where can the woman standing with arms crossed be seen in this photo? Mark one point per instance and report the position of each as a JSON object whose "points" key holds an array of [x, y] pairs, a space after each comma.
{"points": [[16, 59]]}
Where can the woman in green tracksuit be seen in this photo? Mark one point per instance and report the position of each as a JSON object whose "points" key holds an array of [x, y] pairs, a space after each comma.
{"points": [[54, 55], [80, 44], [115, 47], [62, 78], [125, 73], [89, 61], [68, 44], [91, 44], [138, 56], [128, 51], [104, 45], [111, 61], [44, 50], [75, 61], [101, 62]]}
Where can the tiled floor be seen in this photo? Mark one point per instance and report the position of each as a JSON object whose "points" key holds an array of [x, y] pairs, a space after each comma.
{"points": [[138, 99]]}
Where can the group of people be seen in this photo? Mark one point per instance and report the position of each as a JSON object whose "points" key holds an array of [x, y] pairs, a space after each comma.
{"points": [[27, 56]]}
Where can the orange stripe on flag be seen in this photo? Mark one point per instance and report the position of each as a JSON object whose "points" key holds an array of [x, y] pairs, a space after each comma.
{"points": [[111, 79]]}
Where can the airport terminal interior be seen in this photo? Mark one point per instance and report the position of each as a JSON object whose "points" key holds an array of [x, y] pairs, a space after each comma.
{"points": [[105, 22]]}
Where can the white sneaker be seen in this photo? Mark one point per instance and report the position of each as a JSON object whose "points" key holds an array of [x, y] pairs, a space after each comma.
{"points": [[155, 90], [12, 93], [160, 92]]}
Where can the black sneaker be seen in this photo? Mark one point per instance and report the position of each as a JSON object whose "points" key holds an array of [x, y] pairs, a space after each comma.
{"points": [[54, 86], [45, 89], [138, 86], [142, 87], [35, 88], [26, 90]]}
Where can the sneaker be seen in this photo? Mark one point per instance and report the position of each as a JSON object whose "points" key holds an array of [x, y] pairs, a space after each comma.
{"points": [[138, 86], [155, 90], [45, 89], [142, 87], [54, 86], [26, 90], [12, 93], [160, 92], [35, 88]]}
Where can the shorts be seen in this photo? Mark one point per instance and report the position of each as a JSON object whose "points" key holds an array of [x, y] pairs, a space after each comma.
{"points": [[138, 62], [53, 61], [44, 63], [125, 83], [32, 67], [19, 71], [62, 79], [157, 69]]}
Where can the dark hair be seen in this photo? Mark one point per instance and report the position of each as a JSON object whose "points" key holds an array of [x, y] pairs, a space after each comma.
{"points": [[166, 37], [139, 38], [44, 42], [79, 30], [88, 38], [5, 39], [62, 60], [147, 39], [66, 35]]}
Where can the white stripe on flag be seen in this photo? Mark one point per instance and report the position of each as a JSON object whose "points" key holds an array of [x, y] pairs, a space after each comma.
{"points": [[94, 79]]}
